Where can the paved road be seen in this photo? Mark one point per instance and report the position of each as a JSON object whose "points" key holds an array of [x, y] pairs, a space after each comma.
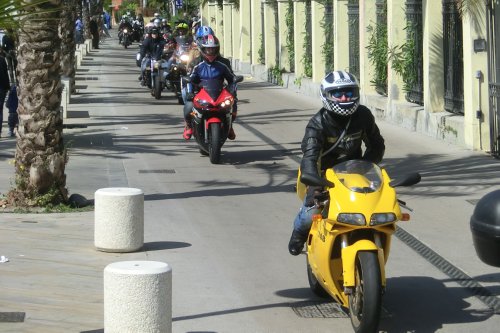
{"points": [[224, 228]]}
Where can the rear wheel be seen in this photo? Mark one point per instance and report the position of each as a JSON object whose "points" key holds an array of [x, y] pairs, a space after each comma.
{"points": [[214, 143], [157, 87], [366, 300], [314, 284]]}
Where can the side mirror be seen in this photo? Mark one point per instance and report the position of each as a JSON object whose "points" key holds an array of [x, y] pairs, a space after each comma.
{"points": [[238, 78]]}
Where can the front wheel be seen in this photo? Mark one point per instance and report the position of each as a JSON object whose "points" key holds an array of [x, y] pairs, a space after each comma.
{"points": [[365, 302], [214, 143], [157, 87]]}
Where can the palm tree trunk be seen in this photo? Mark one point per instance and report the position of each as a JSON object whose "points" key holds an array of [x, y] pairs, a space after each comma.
{"points": [[86, 20], [40, 155], [68, 46]]}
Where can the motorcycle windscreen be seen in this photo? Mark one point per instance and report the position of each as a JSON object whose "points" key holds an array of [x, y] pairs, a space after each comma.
{"points": [[212, 87], [183, 40], [359, 176]]}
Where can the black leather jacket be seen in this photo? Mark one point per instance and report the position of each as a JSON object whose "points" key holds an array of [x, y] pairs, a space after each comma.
{"points": [[153, 47], [324, 129]]}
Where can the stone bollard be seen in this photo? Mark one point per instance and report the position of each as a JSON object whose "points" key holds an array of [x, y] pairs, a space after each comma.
{"points": [[138, 297], [65, 98], [119, 219]]}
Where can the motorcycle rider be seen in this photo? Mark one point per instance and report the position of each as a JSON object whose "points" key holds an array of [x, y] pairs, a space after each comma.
{"points": [[151, 47], [155, 16], [124, 24], [165, 28], [210, 68], [181, 30], [333, 135], [202, 32]]}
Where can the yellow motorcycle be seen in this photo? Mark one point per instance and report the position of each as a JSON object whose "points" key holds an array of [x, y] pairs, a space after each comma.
{"points": [[349, 241]]}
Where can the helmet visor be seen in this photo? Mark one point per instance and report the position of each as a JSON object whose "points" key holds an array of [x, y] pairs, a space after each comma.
{"points": [[339, 93], [210, 51]]}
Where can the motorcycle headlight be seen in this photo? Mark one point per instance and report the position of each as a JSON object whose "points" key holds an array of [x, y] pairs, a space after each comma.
{"points": [[201, 103], [185, 58], [157, 65], [351, 218], [226, 103], [382, 218], [125, 30]]}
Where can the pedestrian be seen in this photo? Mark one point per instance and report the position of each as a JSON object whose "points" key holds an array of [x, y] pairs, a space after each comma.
{"points": [[12, 103], [4, 85], [79, 31], [334, 134], [94, 31], [105, 28], [107, 20]]}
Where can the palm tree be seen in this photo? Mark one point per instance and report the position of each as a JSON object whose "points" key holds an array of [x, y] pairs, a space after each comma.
{"points": [[68, 46], [40, 154]]}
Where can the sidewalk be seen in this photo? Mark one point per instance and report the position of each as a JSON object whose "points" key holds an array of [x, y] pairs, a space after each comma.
{"points": [[231, 269]]}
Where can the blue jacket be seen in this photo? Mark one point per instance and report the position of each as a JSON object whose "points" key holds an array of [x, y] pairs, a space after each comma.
{"points": [[212, 70]]}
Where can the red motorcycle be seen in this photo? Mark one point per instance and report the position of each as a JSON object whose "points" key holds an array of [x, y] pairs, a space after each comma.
{"points": [[211, 116]]}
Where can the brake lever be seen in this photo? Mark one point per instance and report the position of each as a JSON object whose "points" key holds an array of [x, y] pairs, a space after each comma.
{"points": [[318, 204]]}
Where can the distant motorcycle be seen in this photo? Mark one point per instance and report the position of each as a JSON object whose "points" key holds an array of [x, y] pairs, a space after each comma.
{"points": [[211, 116], [137, 32], [126, 38], [180, 66], [157, 68]]}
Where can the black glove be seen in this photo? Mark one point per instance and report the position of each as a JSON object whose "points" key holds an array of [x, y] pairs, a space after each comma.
{"points": [[316, 194], [321, 195]]}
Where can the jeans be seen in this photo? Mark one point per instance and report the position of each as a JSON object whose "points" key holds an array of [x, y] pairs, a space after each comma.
{"points": [[145, 62], [303, 220], [3, 95]]}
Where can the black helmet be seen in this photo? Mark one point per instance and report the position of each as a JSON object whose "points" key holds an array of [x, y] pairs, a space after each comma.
{"points": [[154, 31], [334, 86]]}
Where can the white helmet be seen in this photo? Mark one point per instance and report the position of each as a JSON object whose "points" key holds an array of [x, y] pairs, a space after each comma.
{"points": [[157, 23], [340, 83], [156, 15]]}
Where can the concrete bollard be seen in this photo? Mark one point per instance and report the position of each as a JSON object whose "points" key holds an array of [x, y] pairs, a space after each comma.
{"points": [[119, 219], [65, 98], [138, 297]]}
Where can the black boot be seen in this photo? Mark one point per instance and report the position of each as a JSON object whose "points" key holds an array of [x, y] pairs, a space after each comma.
{"points": [[296, 243]]}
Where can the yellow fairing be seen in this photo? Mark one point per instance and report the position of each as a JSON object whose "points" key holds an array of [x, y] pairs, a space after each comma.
{"points": [[301, 188], [349, 254], [343, 200]]}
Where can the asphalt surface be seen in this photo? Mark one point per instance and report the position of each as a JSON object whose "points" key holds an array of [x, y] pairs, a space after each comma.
{"points": [[224, 228]]}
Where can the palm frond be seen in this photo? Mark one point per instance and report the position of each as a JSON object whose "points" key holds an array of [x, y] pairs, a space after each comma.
{"points": [[13, 13]]}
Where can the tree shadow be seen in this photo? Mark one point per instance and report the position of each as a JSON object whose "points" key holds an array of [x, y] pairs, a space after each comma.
{"points": [[428, 305]]}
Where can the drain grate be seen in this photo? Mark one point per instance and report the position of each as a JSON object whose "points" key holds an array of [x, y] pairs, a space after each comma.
{"points": [[315, 309], [319, 310], [12, 317], [158, 171]]}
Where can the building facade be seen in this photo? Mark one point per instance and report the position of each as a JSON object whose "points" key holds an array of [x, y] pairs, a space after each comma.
{"points": [[427, 65]]}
